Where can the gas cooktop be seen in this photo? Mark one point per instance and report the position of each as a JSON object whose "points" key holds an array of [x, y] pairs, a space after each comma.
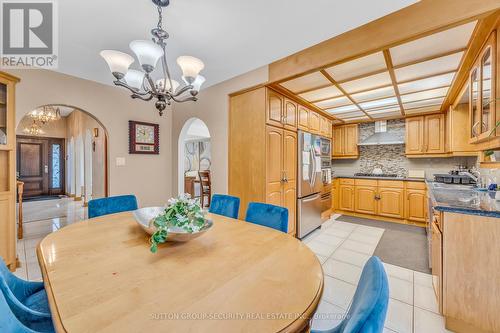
{"points": [[387, 175]]}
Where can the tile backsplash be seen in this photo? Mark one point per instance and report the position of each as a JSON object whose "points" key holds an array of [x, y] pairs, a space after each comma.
{"points": [[392, 159]]}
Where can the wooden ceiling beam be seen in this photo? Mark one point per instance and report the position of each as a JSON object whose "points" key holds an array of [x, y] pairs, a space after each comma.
{"points": [[330, 78], [420, 19], [390, 67]]}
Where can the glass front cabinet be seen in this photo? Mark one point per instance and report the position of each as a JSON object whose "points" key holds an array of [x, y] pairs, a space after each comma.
{"points": [[482, 93]]}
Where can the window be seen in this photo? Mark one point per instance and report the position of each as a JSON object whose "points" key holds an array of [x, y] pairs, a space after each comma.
{"points": [[56, 165]]}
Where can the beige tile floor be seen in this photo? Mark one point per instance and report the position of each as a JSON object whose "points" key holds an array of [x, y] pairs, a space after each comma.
{"points": [[343, 248], [40, 219]]}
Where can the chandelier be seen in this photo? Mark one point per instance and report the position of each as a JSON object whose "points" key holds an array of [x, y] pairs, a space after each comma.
{"points": [[140, 82], [33, 129], [45, 114]]}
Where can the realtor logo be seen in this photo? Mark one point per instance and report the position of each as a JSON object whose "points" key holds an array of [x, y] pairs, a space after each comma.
{"points": [[29, 34]]}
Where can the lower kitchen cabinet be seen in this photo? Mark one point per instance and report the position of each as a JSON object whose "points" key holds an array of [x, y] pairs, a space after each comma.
{"points": [[346, 197], [390, 202], [365, 200], [416, 205], [437, 262]]}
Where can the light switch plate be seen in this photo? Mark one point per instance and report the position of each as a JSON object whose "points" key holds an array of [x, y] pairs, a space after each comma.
{"points": [[120, 161]]}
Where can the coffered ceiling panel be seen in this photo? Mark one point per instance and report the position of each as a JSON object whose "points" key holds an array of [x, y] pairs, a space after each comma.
{"points": [[379, 103], [430, 67], [425, 109], [442, 42], [321, 94], [306, 82], [351, 115], [369, 82], [365, 65], [374, 94], [424, 103], [428, 94], [427, 83], [355, 119], [334, 102], [385, 115], [343, 109], [387, 109]]}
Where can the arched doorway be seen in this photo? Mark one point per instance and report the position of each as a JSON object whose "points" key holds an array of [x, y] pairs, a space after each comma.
{"points": [[83, 168], [194, 155]]}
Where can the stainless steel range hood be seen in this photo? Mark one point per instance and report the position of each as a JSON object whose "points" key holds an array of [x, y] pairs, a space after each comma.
{"points": [[382, 137]]}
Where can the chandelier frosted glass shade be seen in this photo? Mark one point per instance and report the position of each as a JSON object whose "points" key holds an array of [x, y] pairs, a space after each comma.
{"points": [[164, 85], [117, 61], [191, 67], [147, 52], [134, 78], [197, 83]]}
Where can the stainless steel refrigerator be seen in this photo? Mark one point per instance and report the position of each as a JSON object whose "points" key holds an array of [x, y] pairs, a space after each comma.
{"points": [[309, 183]]}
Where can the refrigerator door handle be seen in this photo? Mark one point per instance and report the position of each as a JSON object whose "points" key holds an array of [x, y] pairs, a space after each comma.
{"points": [[312, 198], [313, 171]]}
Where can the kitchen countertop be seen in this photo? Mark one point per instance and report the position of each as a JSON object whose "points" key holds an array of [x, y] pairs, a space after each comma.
{"points": [[463, 200], [409, 179]]}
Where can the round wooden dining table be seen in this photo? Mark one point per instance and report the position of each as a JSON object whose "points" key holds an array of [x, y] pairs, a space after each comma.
{"points": [[237, 277]]}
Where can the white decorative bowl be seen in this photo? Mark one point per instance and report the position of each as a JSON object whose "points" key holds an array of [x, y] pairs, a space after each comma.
{"points": [[145, 216]]}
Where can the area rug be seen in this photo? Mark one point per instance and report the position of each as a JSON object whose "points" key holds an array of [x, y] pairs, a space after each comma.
{"points": [[400, 245]]}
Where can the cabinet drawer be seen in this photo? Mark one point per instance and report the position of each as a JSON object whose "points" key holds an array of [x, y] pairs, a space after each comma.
{"points": [[365, 182], [416, 185], [346, 181], [391, 183]]}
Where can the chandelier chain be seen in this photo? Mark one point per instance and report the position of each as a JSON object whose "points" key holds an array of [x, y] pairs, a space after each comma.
{"points": [[160, 18]]}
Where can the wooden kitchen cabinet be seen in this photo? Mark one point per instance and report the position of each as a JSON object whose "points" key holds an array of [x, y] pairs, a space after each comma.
{"points": [[303, 118], [346, 197], [390, 202], [345, 141], [425, 135], [416, 205], [281, 156], [314, 123], [290, 114], [274, 110], [366, 200], [326, 127], [437, 263]]}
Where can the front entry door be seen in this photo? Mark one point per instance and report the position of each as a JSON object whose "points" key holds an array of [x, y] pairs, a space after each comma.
{"points": [[40, 165]]}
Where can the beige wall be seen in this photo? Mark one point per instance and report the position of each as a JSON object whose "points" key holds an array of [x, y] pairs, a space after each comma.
{"points": [[147, 176], [53, 129], [213, 108]]}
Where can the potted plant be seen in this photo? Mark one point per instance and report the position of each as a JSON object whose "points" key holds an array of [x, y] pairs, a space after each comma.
{"points": [[182, 215]]}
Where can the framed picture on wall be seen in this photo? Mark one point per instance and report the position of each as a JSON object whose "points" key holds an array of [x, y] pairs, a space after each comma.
{"points": [[144, 138]]}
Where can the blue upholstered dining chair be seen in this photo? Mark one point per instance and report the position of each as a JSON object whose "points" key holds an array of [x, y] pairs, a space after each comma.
{"points": [[111, 205], [225, 205], [8, 321], [369, 306], [268, 215], [27, 304]]}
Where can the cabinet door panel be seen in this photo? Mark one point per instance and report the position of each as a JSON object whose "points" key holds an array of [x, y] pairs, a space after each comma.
{"points": [[338, 141], [274, 165], [346, 197], [437, 264], [434, 134], [314, 125], [414, 135], [416, 205], [351, 140], [290, 115], [290, 202], [290, 170], [365, 200], [391, 202], [303, 121], [274, 109]]}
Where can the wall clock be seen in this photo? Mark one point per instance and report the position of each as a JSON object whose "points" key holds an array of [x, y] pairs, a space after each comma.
{"points": [[144, 138]]}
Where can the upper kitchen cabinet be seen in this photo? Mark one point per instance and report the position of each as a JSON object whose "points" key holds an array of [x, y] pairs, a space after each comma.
{"points": [[290, 115], [303, 118], [425, 135], [345, 141], [314, 123], [482, 92], [325, 127], [274, 111]]}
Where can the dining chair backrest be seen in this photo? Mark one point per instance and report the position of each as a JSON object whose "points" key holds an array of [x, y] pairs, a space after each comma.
{"points": [[268, 215], [225, 205], [205, 187], [111, 205], [369, 306], [8, 321]]}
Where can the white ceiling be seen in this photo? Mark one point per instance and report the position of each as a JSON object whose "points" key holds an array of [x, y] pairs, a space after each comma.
{"points": [[232, 37]]}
